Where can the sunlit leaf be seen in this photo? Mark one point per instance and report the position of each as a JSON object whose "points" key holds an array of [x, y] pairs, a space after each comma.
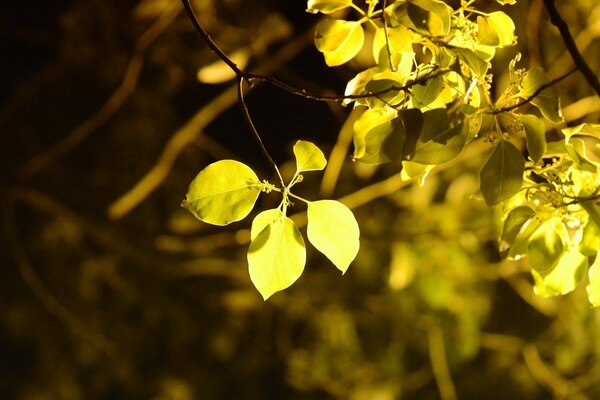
{"points": [[535, 134], [223, 192], [486, 35], [505, 2], [502, 174], [546, 245], [427, 16], [513, 225], [563, 278], [547, 100], [590, 240], [424, 94], [593, 287], [277, 254], [333, 230], [308, 157], [475, 63], [440, 141], [339, 40], [357, 86], [504, 27], [518, 249], [327, 6], [376, 139]]}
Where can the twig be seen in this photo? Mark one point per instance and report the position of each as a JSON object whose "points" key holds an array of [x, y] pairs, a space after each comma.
{"points": [[580, 63], [192, 129], [439, 364], [112, 105], [534, 94], [549, 378], [76, 326], [240, 93]]}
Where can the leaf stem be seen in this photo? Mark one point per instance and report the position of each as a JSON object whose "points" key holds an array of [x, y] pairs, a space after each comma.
{"points": [[253, 128], [298, 197]]}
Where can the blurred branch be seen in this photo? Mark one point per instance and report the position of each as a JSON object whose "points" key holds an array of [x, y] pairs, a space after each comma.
{"points": [[48, 300], [189, 132], [439, 364], [524, 289], [112, 105], [578, 59], [533, 27], [338, 154], [549, 378]]}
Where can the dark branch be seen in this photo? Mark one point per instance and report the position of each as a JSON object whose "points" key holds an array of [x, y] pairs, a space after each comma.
{"points": [[253, 128], [250, 77], [580, 63], [534, 94]]}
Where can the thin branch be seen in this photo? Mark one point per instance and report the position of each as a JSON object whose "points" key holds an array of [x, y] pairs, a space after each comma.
{"points": [[549, 378], [110, 107], [252, 77], [240, 93], [534, 94], [439, 364], [580, 63], [39, 289], [192, 129]]}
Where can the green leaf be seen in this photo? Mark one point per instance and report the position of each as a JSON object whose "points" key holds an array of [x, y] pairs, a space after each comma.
{"points": [[327, 6], [535, 134], [475, 63], [308, 157], [590, 240], [376, 139], [223, 192], [423, 95], [504, 27], [518, 249], [428, 16], [513, 225], [333, 230], [546, 245], [563, 278], [547, 100], [339, 40], [593, 287], [502, 175], [486, 35], [440, 141], [277, 254]]}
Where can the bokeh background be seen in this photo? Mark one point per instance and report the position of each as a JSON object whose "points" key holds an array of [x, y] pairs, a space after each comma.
{"points": [[110, 290]]}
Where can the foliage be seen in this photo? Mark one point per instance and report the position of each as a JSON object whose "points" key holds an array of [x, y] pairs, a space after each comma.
{"points": [[120, 103]]}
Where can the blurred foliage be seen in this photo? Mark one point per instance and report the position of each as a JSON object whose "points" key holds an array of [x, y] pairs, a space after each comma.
{"points": [[158, 306]]}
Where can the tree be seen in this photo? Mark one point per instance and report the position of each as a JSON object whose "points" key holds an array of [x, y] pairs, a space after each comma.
{"points": [[470, 170]]}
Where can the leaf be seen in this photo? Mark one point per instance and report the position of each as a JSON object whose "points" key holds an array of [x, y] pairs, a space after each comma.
{"points": [[502, 175], [590, 240], [375, 138], [504, 27], [339, 40], [277, 254], [333, 230], [546, 245], [428, 16], [593, 287], [439, 141], [547, 100], [513, 225], [535, 134], [308, 157], [327, 6], [563, 278], [486, 35], [475, 63], [423, 95], [223, 192]]}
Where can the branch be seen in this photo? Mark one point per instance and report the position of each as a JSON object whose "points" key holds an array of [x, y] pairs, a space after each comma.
{"points": [[112, 105], [580, 63], [534, 94], [252, 77]]}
